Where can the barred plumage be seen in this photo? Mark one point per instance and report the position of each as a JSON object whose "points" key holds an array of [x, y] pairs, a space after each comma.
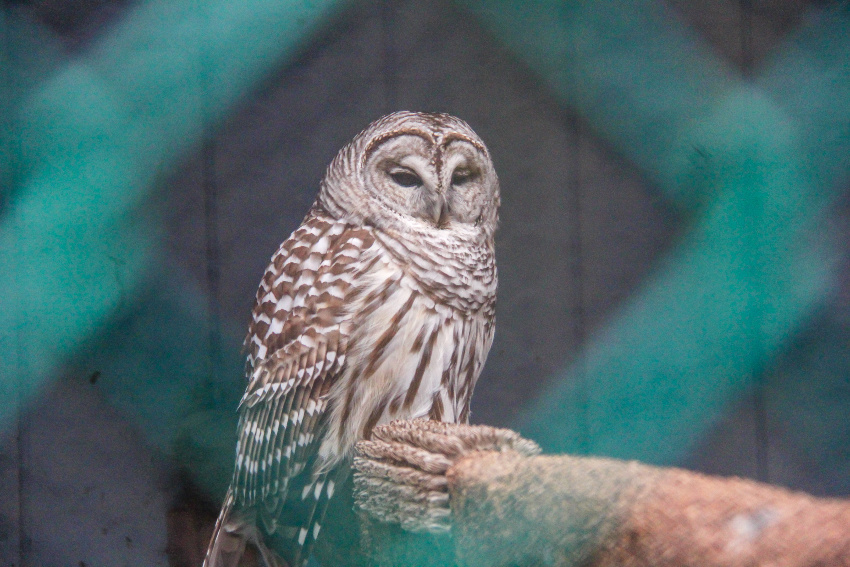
{"points": [[380, 306]]}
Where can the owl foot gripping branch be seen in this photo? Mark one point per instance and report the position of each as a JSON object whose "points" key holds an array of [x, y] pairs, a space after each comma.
{"points": [[453, 494]]}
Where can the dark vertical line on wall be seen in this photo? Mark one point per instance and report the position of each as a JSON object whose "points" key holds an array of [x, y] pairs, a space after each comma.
{"points": [[576, 274], [755, 313], [11, 150], [23, 425], [209, 185], [389, 55], [213, 261], [576, 270], [21, 440]]}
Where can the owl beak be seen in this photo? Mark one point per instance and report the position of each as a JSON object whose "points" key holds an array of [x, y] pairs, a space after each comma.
{"points": [[441, 213]]}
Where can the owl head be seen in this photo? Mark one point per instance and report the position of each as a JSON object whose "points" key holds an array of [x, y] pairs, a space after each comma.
{"points": [[414, 172]]}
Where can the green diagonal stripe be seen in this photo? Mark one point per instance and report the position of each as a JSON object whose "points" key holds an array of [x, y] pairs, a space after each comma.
{"points": [[91, 139], [757, 166]]}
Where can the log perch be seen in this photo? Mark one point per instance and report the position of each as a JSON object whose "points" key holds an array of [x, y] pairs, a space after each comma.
{"points": [[440, 494]]}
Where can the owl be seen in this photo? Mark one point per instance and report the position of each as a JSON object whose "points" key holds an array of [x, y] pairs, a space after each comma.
{"points": [[380, 306]]}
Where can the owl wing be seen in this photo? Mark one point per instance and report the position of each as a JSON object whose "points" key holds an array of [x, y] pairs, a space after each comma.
{"points": [[296, 342]]}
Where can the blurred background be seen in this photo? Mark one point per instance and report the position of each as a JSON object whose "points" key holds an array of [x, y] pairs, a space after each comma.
{"points": [[673, 250]]}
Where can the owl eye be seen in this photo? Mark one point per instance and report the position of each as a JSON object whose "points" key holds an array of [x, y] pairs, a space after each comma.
{"points": [[406, 178], [461, 176]]}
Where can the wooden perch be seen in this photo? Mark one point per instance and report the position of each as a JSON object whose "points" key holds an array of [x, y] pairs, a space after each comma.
{"points": [[438, 494]]}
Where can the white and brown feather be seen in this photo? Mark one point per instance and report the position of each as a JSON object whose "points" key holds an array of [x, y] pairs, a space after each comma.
{"points": [[361, 318]]}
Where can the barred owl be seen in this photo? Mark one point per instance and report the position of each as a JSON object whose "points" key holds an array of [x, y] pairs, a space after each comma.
{"points": [[380, 306]]}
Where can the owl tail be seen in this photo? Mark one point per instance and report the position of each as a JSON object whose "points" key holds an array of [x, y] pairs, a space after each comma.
{"points": [[233, 531], [303, 514]]}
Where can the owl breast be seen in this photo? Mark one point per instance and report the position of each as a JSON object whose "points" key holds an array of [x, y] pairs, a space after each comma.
{"points": [[411, 353]]}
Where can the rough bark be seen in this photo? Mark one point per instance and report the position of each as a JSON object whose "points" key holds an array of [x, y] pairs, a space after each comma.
{"points": [[476, 496]]}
